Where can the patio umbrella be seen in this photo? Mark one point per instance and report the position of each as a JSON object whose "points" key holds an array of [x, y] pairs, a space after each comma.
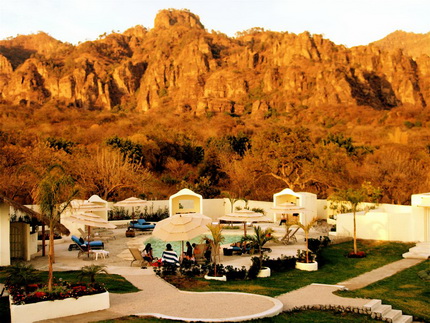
{"points": [[287, 208], [131, 201], [90, 220], [181, 227], [245, 216]]}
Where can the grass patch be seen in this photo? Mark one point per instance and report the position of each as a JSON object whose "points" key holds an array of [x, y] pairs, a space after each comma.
{"points": [[300, 316], [405, 291], [114, 283], [337, 268]]}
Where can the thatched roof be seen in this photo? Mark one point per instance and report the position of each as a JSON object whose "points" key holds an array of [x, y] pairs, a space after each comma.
{"points": [[59, 227]]}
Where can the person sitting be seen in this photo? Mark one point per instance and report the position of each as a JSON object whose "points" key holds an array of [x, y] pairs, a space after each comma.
{"points": [[147, 253], [169, 256], [188, 254]]}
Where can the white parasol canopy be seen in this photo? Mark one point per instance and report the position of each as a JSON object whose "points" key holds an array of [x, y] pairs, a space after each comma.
{"points": [[91, 220], [133, 202], [245, 216], [181, 227]]}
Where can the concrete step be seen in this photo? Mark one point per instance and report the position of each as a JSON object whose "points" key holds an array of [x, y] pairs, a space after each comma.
{"points": [[404, 319], [413, 255], [373, 304], [381, 310], [392, 315], [420, 251]]}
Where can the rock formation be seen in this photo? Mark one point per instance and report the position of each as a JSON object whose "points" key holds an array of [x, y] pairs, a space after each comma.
{"points": [[179, 66]]}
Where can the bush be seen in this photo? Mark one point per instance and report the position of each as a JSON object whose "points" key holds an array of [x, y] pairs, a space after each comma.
{"points": [[317, 245], [254, 269], [234, 273], [280, 264]]}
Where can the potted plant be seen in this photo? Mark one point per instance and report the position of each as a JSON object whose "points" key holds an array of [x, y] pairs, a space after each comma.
{"points": [[305, 259], [259, 239], [215, 242]]}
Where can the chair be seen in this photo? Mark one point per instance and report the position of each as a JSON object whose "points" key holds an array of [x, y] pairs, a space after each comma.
{"points": [[290, 236], [137, 256], [83, 233], [199, 253], [83, 245]]}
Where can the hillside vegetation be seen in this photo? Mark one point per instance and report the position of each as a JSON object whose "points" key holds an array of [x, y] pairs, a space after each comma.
{"points": [[148, 112]]}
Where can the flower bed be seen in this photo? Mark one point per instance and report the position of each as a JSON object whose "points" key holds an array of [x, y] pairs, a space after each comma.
{"points": [[37, 293], [43, 310]]}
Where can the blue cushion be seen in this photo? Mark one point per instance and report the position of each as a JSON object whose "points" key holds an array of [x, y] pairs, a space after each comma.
{"points": [[141, 221], [92, 243]]}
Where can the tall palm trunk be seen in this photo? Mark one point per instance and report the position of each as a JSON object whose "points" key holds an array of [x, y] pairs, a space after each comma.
{"points": [[307, 245], [51, 256], [355, 232]]}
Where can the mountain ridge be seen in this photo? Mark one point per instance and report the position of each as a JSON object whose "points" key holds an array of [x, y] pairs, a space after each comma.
{"points": [[178, 66]]}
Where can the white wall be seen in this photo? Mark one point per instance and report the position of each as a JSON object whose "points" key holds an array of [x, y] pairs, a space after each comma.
{"points": [[389, 222], [4, 235]]}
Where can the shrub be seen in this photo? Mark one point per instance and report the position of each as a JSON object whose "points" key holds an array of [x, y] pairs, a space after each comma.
{"points": [[254, 269], [280, 264], [234, 273]]}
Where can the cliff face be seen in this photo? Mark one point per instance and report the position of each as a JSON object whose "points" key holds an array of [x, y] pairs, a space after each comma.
{"points": [[179, 66]]}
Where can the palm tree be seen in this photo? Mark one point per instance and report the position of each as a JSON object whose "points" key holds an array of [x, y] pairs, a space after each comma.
{"points": [[259, 239], [354, 197], [215, 242], [306, 228], [91, 271], [54, 194]]}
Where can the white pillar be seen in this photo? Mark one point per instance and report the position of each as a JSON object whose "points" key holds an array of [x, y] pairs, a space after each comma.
{"points": [[4, 235]]}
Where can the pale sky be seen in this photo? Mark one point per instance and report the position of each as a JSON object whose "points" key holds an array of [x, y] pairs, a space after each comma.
{"points": [[347, 22]]}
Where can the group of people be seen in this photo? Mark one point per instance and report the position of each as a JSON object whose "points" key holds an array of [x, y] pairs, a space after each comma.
{"points": [[169, 256]]}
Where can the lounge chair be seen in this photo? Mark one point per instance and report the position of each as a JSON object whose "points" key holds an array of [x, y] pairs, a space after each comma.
{"points": [[83, 245], [137, 256], [142, 225], [199, 253], [290, 236]]}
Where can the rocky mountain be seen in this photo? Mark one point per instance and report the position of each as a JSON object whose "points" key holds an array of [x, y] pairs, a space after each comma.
{"points": [[181, 67], [411, 44]]}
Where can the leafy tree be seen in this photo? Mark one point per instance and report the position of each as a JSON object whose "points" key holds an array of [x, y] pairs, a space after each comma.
{"points": [[54, 194], [354, 198], [286, 154], [347, 144]]}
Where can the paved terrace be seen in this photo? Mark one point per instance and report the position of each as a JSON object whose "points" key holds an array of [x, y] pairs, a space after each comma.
{"points": [[160, 299]]}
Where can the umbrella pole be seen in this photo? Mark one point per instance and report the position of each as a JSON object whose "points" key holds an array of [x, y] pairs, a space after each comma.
{"points": [[89, 235], [244, 227]]}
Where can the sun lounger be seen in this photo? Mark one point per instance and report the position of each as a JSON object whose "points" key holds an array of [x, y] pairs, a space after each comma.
{"points": [[290, 236], [142, 225], [83, 245], [137, 256], [199, 253]]}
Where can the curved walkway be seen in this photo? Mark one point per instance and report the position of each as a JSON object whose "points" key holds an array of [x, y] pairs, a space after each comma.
{"points": [[159, 299]]}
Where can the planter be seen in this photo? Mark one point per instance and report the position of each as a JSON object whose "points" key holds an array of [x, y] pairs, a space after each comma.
{"points": [[264, 272], [58, 308], [130, 233], [221, 278], [310, 266]]}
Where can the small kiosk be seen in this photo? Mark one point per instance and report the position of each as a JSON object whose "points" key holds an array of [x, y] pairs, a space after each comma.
{"points": [[185, 201]]}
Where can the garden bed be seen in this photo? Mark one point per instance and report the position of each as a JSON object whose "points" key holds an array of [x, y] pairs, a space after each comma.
{"points": [[58, 308]]}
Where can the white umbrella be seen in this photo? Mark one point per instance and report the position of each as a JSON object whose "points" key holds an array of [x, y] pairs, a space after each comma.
{"points": [[91, 220], [287, 208], [132, 201], [245, 216], [181, 227]]}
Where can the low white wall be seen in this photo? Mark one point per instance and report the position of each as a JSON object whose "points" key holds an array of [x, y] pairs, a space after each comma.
{"points": [[54, 309], [390, 223]]}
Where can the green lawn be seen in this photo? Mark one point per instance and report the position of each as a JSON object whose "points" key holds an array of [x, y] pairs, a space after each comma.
{"points": [[404, 291], [336, 269], [293, 317]]}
